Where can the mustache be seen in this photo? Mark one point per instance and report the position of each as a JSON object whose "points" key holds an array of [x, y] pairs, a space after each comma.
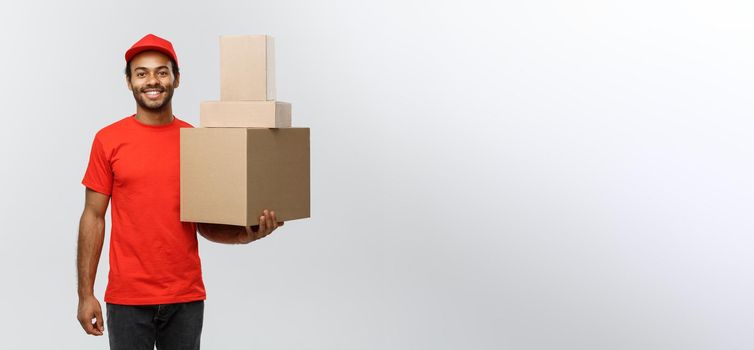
{"points": [[159, 88]]}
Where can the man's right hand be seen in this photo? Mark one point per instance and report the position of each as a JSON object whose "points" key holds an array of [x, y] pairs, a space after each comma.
{"points": [[89, 309]]}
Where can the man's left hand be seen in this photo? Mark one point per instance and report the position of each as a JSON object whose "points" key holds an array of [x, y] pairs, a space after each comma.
{"points": [[267, 223]]}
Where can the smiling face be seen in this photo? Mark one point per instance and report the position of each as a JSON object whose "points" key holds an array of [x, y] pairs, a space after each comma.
{"points": [[152, 80]]}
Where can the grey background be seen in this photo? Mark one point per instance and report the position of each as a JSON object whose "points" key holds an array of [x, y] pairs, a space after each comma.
{"points": [[485, 175]]}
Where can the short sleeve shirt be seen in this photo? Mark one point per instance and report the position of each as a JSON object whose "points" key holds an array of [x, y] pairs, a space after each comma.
{"points": [[154, 257]]}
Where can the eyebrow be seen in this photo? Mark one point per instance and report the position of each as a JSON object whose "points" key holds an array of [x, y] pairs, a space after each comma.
{"points": [[145, 68]]}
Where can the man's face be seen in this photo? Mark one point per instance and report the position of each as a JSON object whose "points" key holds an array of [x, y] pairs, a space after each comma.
{"points": [[152, 81]]}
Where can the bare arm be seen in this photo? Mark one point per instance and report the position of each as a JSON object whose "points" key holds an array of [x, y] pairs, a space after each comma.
{"points": [[218, 233], [230, 234], [91, 236]]}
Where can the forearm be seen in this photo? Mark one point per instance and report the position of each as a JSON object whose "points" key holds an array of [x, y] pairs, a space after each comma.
{"points": [[91, 237], [227, 234]]}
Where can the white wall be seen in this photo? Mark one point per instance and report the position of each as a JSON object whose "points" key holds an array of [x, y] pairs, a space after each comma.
{"points": [[485, 175]]}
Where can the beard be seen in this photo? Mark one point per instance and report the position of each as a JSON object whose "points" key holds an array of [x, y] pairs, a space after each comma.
{"points": [[154, 106]]}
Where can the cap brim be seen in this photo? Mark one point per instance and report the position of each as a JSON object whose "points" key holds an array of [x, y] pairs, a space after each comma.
{"points": [[131, 53]]}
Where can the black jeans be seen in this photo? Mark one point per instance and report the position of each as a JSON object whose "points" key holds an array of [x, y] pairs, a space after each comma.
{"points": [[169, 326]]}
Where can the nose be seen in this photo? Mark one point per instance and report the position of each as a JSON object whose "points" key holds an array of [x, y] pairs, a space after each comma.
{"points": [[152, 78]]}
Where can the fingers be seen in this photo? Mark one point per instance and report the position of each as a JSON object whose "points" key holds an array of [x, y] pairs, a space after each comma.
{"points": [[262, 226], [270, 221], [90, 309], [274, 220], [267, 223], [93, 328], [86, 325], [100, 324]]}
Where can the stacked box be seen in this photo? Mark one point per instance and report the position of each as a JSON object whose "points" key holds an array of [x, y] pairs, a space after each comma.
{"points": [[269, 114], [245, 156], [247, 68], [247, 86]]}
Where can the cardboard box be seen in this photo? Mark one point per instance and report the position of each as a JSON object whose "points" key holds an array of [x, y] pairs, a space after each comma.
{"points": [[245, 114], [229, 175], [247, 68]]}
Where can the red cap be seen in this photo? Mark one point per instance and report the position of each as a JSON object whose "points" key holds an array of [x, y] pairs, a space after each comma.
{"points": [[151, 42]]}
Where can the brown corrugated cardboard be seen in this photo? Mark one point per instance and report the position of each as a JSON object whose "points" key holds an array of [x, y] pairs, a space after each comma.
{"points": [[245, 114], [229, 175], [247, 68]]}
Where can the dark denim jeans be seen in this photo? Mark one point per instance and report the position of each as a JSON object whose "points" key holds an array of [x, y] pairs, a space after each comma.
{"points": [[169, 326]]}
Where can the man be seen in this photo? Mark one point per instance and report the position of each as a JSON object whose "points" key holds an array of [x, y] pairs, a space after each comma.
{"points": [[155, 292]]}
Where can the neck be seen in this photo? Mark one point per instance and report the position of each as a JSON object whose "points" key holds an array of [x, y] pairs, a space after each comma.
{"points": [[154, 117]]}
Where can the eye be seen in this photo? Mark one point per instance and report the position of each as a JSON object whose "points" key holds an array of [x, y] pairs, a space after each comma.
{"points": [[140, 74], [163, 73]]}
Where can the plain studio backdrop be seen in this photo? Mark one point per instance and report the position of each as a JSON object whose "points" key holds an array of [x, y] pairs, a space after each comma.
{"points": [[485, 175]]}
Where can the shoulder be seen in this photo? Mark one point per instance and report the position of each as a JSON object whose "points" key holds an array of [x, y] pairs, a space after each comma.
{"points": [[114, 134], [114, 129]]}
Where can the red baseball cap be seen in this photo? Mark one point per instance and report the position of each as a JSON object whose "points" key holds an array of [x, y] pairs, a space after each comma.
{"points": [[151, 42]]}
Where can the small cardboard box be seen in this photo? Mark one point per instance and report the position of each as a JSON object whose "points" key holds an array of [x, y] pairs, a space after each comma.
{"points": [[245, 114], [229, 175], [247, 68]]}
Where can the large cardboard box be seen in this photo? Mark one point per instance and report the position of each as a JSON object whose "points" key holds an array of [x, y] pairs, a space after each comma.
{"points": [[245, 114], [247, 68], [229, 175]]}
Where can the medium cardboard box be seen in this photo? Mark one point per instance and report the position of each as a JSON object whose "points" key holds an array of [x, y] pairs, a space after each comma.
{"points": [[245, 114], [247, 68], [229, 175]]}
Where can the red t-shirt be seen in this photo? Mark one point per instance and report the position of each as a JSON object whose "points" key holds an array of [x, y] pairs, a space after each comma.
{"points": [[154, 257]]}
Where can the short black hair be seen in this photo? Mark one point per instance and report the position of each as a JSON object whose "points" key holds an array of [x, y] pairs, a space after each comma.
{"points": [[174, 66]]}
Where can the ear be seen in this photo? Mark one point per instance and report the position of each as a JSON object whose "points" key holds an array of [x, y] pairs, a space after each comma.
{"points": [[177, 81], [128, 82]]}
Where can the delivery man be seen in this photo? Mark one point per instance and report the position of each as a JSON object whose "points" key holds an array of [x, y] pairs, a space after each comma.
{"points": [[155, 293]]}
